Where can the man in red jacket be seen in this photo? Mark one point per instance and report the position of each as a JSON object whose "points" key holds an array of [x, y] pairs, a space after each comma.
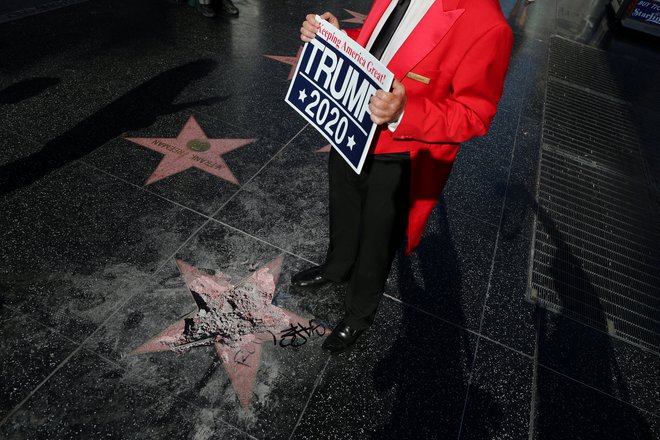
{"points": [[449, 59]]}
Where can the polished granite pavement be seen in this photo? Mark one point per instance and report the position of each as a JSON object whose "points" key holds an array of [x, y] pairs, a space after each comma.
{"points": [[99, 221]]}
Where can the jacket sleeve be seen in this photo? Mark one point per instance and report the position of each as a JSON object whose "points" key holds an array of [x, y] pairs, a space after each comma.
{"points": [[353, 33], [476, 89]]}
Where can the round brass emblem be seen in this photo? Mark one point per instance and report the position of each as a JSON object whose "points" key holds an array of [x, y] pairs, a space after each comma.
{"points": [[198, 145]]}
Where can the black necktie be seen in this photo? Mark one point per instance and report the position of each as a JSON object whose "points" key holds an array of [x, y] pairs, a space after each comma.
{"points": [[385, 35]]}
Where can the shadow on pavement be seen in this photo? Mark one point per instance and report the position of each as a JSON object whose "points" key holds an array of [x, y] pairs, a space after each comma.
{"points": [[430, 396], [135, 110], [26, 89], [566, 409]]}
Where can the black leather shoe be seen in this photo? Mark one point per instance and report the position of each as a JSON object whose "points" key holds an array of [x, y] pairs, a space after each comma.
{"points": [[227, 7], [342, 338], [310, 277]]}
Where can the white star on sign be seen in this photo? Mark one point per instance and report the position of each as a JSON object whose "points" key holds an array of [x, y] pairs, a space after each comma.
{"points": [[351, 142], [302, 95]]}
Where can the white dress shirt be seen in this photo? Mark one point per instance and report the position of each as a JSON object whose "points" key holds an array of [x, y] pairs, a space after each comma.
{"points": [[411, 19]]}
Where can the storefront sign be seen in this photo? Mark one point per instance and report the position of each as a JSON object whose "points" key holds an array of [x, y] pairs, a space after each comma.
{"points": [[647, 11]]}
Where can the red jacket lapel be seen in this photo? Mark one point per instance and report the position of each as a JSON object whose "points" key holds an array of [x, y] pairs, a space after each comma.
{"points": [[426, 35]]}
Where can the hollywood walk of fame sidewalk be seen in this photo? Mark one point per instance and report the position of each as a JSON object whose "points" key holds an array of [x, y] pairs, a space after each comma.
{"points": [[157, 194]]}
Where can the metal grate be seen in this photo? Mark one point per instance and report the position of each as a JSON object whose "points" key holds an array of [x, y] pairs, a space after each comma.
{"points": [[582, 66], [601, 72], [596, 252], [589, 127]]}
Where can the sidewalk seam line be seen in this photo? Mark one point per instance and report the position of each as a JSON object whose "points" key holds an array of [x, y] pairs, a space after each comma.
{"points": [[185, 242], [453, 324], [165, 391], [490, 274], [309, 399], [535, 376], [599, 391]]}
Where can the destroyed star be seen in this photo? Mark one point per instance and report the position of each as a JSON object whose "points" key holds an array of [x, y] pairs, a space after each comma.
{"points": [[235, 318]]}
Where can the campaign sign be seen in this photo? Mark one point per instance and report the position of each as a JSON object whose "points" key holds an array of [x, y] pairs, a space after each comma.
{"points": [[334, 81]]}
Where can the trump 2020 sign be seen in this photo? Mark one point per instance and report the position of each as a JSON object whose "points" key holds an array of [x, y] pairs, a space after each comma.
{"points": [[334, 81]]}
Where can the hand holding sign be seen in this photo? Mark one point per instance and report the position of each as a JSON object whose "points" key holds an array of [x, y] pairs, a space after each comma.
{"points": [[310, 25], [333, 86], [387, 107]]}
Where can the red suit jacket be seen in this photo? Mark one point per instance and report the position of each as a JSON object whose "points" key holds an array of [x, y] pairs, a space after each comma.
{"points": [[463, 47]]}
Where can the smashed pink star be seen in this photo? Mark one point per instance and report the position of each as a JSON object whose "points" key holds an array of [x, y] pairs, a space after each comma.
{"points": [[236, 319], [191, 149]]}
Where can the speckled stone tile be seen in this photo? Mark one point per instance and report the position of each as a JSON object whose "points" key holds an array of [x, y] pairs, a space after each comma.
{"points": [[176, 419], [30, 352], [7, 313], [119, 95], [14, 91], [51, 112], [524, 87], [567, 409], [499, 400], [325, 303], [16, 9], [285, 375], [92, 398], [291, 14], [595, 359], [183, 26], [501, 136], [448, 274], [530, 19], [74, 134], [81, 243], [255, 104], [30, 34], [114, 81], [193, 187], [534, 98], [508, 317], [287, 203], [236, 45], [15, 146], [407, 374], [55, 110], [255, 84], [62, 35], [476, 184]]}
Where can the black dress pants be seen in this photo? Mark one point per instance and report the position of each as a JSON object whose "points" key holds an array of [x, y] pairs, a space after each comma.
{"points": [[368, 220]]}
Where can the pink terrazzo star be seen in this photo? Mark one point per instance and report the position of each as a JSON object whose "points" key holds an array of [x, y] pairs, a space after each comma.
{"points": [[291, 61], [236, 319], [191, 149], [357, 17]]}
